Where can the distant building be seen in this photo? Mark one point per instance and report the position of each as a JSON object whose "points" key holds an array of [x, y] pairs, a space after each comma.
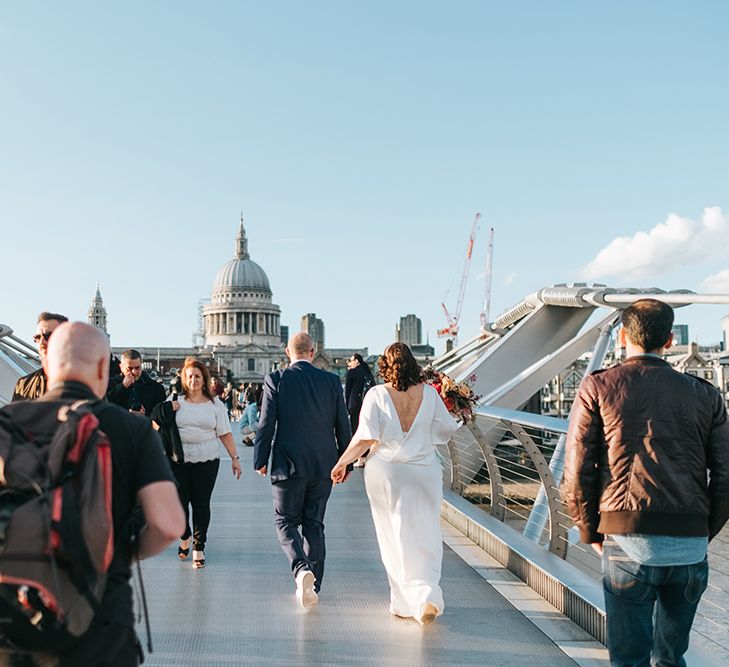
{"points": [[424, 354], [557, 397], [409, 331], [725, 330], [240, 327], [312, 325], [694, 363], [680, 334], [241, 324], [97, 312]]}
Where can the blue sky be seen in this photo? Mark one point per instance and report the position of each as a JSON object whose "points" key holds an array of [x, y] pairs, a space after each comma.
{"points": [[359, 140]]}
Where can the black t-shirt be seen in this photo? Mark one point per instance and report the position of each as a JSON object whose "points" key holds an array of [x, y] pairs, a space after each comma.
{"points": [[138, 459]]}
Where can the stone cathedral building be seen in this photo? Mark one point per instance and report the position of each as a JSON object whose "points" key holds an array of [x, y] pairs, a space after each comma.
{"points": [[241, 324]]}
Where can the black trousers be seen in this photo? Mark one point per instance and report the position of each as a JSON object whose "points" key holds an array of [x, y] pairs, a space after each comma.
{"points": [[354, 416], [104, 644], [302, 502], [195, 484]]}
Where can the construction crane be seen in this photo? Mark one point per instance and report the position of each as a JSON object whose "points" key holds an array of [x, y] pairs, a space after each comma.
{"points": [[451, 329], [489, 272]]}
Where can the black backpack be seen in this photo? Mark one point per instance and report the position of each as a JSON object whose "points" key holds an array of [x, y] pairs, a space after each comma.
{"points": [[56, 529]]}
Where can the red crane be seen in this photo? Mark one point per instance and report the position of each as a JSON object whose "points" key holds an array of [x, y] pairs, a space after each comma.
{"points": [[451, 330]]}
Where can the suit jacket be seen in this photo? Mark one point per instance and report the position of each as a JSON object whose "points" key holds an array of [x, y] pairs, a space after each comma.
{"points": [[304, 420]]}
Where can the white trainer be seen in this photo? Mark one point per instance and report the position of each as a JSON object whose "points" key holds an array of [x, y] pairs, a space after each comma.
{"points": [[305, 593]]}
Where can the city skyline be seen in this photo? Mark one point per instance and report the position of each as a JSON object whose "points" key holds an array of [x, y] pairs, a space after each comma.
{"points": [[359, 142]]}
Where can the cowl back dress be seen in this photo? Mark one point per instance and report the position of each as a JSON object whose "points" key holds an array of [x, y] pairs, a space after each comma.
{"points": [[404, 482]]}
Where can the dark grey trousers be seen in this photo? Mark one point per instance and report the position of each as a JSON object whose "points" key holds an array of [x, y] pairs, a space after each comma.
{"points": [[302, 502]]}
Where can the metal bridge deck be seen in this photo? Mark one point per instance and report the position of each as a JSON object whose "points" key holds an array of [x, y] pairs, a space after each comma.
{"points": [[240, 610]]}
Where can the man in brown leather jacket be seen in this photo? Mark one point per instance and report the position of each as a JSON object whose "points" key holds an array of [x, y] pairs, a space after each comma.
{"points": [[647, 485], [33, 385]]}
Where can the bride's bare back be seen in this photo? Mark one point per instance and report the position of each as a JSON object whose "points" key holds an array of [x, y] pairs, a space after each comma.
{"points": [[407, 403]]}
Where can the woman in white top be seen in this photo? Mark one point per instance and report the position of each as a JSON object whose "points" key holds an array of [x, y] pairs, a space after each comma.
{"points": [[401, 422], [203, 423]]}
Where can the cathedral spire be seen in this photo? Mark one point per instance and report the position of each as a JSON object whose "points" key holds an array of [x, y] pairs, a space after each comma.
{"points": [[97, 312], [241, 248]]}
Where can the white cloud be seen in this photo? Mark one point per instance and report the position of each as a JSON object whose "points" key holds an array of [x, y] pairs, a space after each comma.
{"points": [[716, 283], [510, 279], [676, 242]]}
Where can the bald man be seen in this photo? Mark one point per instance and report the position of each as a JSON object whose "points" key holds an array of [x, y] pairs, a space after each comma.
{"points": [[305, 422], [77, 366]]}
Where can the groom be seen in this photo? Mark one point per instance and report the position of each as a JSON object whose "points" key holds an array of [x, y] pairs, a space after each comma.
{"points": [[304, 418]]}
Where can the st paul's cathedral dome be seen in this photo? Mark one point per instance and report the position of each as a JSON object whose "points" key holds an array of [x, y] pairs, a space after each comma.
{"points": [[241, 321]]}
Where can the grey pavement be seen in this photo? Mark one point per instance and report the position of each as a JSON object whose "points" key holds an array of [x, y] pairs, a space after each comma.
{"points": [[241, 610]]}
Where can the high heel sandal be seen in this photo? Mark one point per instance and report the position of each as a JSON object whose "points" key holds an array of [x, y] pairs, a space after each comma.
{"points": [[429, 614], [198, 560], [182, 554]]}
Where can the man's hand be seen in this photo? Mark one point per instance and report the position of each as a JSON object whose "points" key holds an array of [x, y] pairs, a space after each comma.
{"points": [[597, 546], [128, 380], [262, 471], [141, 411]]}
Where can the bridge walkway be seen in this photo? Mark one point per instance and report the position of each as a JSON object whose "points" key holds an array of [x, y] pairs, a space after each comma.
{"points": [[241, 610]]}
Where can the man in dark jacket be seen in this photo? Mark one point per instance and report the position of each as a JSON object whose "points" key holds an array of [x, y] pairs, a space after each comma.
{"points": [[358, 381], [641, 439], [33, 385], [134, 389], [304, 421]]}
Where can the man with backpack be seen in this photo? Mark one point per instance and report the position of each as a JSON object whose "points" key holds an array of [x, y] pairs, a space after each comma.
{"points": [[77, 367]]}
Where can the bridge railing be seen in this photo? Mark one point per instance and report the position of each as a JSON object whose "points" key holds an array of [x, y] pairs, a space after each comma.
{"points": [[509, 464]]}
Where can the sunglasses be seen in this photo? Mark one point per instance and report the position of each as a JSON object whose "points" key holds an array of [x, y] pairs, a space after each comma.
{"points": [[44, 336]]}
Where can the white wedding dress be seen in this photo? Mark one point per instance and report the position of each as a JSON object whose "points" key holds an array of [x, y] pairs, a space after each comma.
{"points": [[404, 483]]}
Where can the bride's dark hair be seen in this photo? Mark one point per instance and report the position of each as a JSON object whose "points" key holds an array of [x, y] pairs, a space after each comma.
{"points": [[399, 368]]}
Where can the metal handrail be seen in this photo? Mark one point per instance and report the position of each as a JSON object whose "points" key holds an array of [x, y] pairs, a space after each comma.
{"points": [[13, 342]]}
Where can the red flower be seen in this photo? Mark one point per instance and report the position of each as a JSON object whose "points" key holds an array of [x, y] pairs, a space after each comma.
{"points": [[449, 403], [436, 386]]}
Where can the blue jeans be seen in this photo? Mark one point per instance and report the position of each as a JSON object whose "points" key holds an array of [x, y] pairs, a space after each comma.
{"points": [[649, 608]]}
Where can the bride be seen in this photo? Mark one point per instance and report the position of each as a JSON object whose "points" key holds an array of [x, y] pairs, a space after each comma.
{"points": [[402, 421]]}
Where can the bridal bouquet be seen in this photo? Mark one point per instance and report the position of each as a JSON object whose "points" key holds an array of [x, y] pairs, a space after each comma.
{"points": [[458, 397]]}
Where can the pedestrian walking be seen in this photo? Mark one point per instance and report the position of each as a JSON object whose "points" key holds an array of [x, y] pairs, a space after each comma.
{"points": [[647, 485]]}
